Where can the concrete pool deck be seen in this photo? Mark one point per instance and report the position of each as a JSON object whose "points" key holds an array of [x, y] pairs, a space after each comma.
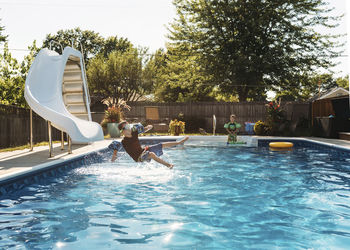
{"points": [[22, 161], [19, 161]]}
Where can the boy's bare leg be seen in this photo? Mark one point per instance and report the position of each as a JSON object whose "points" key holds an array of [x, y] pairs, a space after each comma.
{"points": [[157, 159], [172, 144], [114, 157]]}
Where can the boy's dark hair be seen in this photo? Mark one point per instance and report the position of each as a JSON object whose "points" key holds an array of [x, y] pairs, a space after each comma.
{"points": [[121, 125]]}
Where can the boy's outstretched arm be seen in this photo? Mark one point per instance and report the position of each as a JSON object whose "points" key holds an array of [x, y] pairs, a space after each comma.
{"points": [[115, 146], [141, 129], [148, 128]]}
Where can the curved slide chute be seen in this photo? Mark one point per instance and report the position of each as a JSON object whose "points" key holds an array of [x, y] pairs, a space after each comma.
{"points": [[56, 89]]}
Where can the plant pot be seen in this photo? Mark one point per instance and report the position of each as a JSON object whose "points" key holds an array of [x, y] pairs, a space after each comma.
{"points": [[177, 130], [113, 130]]}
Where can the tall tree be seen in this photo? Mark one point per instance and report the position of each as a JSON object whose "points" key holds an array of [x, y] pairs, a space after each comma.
{"points": [[91, 41], [3, 37], [178, 78], [312, 86], [114, 43], [343, 82], [118, 77], [255, 45], [13, 75]]}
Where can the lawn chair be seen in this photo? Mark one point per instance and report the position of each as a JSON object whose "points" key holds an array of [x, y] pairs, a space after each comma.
{"points": [[152, 114], [152, 117]]}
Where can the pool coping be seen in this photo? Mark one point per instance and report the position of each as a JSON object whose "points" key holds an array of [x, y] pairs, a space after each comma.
{"points": [[95, 154], [265, 141]]}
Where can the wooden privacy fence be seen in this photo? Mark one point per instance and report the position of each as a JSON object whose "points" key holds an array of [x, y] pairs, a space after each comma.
{"points": [[15, 130], [244, 111], [322, 108], [15, 127]]}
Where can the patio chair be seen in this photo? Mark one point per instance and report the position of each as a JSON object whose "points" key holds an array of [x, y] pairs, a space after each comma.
{"points": [[152, 117], [152, 114]]}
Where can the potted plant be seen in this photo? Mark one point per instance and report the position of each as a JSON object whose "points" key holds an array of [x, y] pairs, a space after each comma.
{"points": [[275, 116], [176, 127], [113, 115]]}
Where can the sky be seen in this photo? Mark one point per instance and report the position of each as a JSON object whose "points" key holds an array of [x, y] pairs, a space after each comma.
{"points": [[143, 22]]}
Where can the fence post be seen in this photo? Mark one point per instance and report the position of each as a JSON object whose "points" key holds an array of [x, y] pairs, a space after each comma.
{"points": [[31, 129], [50, 138], [62, 140], [69, 144]]}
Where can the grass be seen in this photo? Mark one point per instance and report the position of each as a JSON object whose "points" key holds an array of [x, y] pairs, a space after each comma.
{"points": [[27, 146]]}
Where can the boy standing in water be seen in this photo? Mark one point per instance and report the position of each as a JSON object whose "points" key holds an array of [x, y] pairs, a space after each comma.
{"points": [[232, 129], [132, 145]]}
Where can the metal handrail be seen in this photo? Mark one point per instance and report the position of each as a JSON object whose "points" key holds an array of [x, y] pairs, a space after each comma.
{"points": [[214, 124], [53, 41], [31, 129], [87, 86]]}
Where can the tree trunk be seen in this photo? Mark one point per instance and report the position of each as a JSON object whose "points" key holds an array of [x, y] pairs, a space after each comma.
{"points": [[242, 93]]}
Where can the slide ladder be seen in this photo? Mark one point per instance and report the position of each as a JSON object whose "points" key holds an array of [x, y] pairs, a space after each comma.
{"points": [[73, 90]]}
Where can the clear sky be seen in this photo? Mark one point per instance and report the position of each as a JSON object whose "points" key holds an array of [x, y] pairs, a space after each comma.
{"points": [[143, 22]]}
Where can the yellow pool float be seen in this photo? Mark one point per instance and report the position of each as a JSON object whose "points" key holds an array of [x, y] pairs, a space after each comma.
{"points": [[281, 145]]}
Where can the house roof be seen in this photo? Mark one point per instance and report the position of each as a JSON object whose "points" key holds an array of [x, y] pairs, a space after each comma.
{"points": [[335, 92], [332, 93]]}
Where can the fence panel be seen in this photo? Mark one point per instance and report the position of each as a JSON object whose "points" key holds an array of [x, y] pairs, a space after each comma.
{"points": [[14, 121], [15, 127], [245, 111]]}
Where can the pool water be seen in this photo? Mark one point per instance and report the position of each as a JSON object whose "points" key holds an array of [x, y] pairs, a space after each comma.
{"points": [[214, 198]]}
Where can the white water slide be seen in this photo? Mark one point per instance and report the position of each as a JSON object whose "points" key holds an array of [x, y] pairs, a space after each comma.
{"points": [[56, 89]]}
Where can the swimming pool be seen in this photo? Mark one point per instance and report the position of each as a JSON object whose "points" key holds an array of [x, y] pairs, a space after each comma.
{"points": [[216, 197]]}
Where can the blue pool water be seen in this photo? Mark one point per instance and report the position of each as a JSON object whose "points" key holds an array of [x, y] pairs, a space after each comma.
{"points": [[214, 198]]}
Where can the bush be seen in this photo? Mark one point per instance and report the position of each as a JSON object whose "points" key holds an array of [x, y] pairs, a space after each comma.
{"points": [[176, 127], [276, 119], [262, 128], [193, 123], [303, 127], [115, 113]]}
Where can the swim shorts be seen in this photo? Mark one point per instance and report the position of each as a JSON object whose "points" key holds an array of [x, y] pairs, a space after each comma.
{"points": [[157, 149]]}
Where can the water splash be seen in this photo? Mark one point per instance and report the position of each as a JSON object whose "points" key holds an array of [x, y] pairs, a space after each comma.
{"points": [[122, 172]]}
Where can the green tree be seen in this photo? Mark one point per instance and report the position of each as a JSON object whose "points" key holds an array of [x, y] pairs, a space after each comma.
{"points": [[28, 60], [13, 75], [3, 37], [308, 87], [178, 78], [254, 46], [118, 77], [91, 41], [11, 82], [343, 82], [114, 44]]}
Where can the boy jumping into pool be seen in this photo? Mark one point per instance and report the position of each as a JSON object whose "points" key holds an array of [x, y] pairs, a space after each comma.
{"points": [[132, 145], [232, 129]]}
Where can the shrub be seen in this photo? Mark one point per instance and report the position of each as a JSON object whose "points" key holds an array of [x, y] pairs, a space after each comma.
{"points": [[174, 125], [276, 118], [193, 123], [262, 128], [303, 127], [115, 113], [274, 112]]}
